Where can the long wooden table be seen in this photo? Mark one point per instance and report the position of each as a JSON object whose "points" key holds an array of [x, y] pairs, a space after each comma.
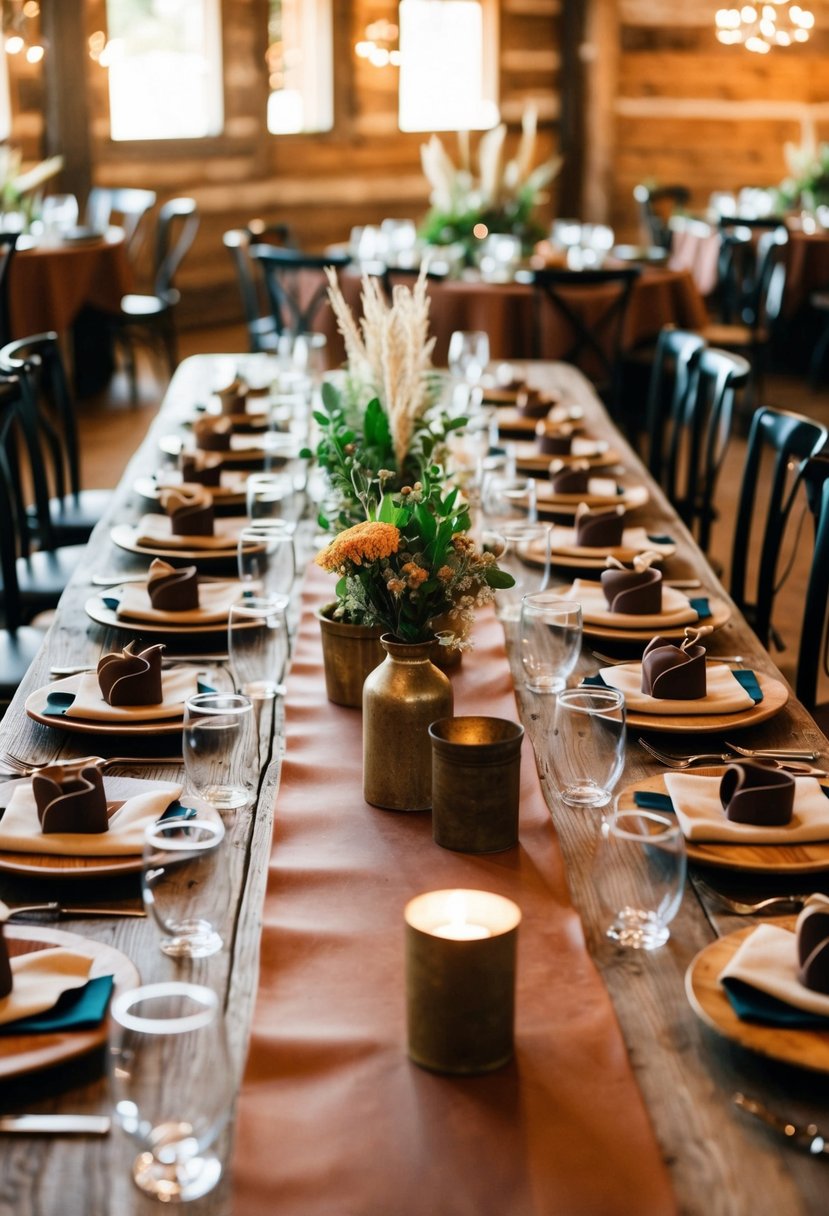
{"points": [[719, 1161]]}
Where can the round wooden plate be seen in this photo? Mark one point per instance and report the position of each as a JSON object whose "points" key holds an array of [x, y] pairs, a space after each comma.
{"points": [[85, 726], [534, 554], [123, 535], [812, 858], [103, 615], [236, 458], [567, 504], [805, 1048], [528, 457], [223, 496], [775, 695], [720, 614], [510, 422], [23, 1053]]}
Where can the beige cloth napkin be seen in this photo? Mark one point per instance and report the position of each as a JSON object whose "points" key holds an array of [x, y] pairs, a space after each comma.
{"points": [[20, 828], [582, 446], [214, 604], [231, 483], [767, 960], [154, 531], [40, 977], [634, 541], [177, 685], [676, 609], [701, 816], [725, 694]]}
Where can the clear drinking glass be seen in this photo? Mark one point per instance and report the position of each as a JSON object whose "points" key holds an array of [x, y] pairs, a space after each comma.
{"points": [[523, 550], [550, 640], [175, 1115], [273, 496], [184, 884], [639, 873], [504, 499], [468, 354], [267, 558], [588, 744], [257, 643], [220, 748]]}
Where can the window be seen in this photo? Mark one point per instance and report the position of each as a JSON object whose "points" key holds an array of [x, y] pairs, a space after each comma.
{"points": [[165, 68], [447, 73], [300, 67]]}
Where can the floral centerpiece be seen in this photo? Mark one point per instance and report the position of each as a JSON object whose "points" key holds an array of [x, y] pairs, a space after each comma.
{"points": [[411, 567], [384, 428], [500, 197], [19, 191], [807, 184]]}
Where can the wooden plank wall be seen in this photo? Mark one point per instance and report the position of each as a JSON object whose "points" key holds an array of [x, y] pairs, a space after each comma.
{"points": [[711, 117], [362, 172]]}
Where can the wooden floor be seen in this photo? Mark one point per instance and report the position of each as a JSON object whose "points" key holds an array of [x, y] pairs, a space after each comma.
{"points": [[111, 429]]}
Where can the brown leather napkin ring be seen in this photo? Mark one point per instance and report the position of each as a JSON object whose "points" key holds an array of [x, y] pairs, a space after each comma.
{"points": [[554, 440], [131, 678], [569, 479], [70, 798], [753, 793], [813, 945], [233, 398], [213, 435], [530, 403], [636, 592], [671, 673], [190, 511], [201, 470], [171, 589], [600, 529]]}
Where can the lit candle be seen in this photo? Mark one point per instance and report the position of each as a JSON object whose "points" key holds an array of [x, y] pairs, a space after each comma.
{"points": [[460, 979]]}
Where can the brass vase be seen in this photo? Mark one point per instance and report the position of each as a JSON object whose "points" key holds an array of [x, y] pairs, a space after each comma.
{"points": [[349, 653], [401, 698]]}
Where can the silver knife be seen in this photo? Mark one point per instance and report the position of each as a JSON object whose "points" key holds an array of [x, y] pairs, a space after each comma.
{"points": [[809, 1137], [57, 910], [56, 1125]]}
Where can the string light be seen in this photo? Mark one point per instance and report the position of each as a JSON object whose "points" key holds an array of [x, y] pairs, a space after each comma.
{"points": [[759, 27], [379, 46]]}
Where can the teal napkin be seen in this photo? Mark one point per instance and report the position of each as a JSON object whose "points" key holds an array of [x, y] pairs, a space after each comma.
{"points": [[701, 607], [78, 1009], [661, 540], [751, 1005]]}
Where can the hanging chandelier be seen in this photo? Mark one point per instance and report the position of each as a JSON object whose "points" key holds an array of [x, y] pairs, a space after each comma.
{"points": [[759, 27]]}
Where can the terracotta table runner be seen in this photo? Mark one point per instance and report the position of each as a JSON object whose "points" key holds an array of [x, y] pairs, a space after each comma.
{"points": [[333, 1117]]}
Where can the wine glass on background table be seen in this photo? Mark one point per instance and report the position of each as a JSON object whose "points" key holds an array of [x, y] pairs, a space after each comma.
{"points": [[506, 499], [468, 355], [257, 643], [184, 877], [267, 558], [174, 1114]]}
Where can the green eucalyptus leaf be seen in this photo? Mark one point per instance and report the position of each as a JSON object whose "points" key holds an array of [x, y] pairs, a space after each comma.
{"points": [[498, 578]]}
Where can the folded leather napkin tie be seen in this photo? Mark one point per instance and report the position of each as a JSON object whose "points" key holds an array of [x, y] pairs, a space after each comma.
{"points": [[554, 438], [675, 673], [172, 589], [635, 592], [603, 527], [190, 510], [751, 792], [199, 469], [570, 479], [131, 678], [70, 798]]}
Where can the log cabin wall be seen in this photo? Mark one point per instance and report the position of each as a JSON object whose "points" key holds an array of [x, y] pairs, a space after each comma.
{"points": [[361, 172], [689, 110]]}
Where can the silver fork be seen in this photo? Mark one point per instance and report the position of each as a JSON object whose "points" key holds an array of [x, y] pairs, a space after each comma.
{"points": [[734, 660], [777, 753], [25, 768], [774, 903], [686, 761]]}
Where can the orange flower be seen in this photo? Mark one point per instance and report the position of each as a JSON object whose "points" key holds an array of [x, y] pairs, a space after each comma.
{"points": [[362, 544], [415, 575]]}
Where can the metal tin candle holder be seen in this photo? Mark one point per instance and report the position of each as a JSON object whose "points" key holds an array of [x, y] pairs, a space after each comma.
{"points": [[476, 776], [460, 980]]}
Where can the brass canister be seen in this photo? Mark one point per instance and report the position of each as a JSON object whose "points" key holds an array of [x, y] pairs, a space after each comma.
{"points": [[349, 653], [476, 778]]}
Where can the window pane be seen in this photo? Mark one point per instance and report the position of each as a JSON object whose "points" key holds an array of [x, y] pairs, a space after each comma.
{"points": [[300, 66], [443, 84], [165, 68]]}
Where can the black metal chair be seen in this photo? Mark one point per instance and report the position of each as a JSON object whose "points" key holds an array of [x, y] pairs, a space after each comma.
{"points": [[295, 284], [814, 641], [674, 359], [767, 496], [739, 265], [38, 366], [698, 433], [123, 205], [261, 327], [148, 319], [656, 206], [595, 322], [8, 244]]}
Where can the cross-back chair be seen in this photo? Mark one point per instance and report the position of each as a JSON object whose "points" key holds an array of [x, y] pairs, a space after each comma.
{"points": [[767, 497], [8, 244], [673, 361], [295, 284], [594, 319], [124, 205], [656, 206]]}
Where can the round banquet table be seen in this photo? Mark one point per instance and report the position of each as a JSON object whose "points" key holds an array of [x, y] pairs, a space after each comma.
{"points": [[505, 311], [49, 284]]}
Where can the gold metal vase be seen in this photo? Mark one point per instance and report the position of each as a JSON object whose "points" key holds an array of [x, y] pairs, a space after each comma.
{"points": [[349, 653], [401, 698]]}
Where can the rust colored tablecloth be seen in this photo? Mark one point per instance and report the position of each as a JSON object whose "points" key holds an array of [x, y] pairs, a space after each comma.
{"points": [[333, 1117], [50, 284]]}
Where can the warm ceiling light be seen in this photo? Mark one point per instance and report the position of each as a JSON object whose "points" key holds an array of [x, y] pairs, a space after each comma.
{"points": [[760, 27], [34, 53], [14, 44]]}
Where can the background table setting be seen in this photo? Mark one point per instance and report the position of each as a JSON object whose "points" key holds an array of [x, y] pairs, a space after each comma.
{"points": [[327, 1027]]}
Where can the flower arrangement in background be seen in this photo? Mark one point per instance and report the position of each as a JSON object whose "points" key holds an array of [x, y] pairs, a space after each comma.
{"points": [[384, 428], [807, 185], [501, 197], [411, 564], [18, 190]]}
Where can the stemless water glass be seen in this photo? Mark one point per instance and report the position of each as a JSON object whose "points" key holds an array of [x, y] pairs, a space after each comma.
{"points": [[588, 744], [505, 498], [468, 354], [267, 558], [184, 881], [174, 1114], [550, 640], [257, 644], [523, 550], [273, 496], [220, 748], [639, 873]]}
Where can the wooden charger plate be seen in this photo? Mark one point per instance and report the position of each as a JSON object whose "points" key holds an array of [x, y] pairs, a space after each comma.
{"points": [[510, 422], [239, 458], [223, 496], [720, 614], [527, 456], [811, 858], [805, 1048], [103, 615], [534, 555], [775, 696], [567, 504], [85, 726], [124, 536], [24, 1053]]}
